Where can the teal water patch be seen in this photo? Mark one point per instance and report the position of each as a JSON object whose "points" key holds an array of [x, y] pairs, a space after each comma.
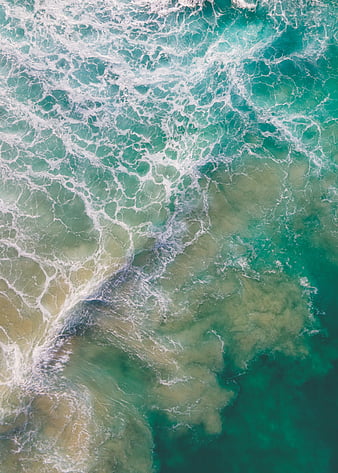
{"points": [[282, 418], [168, 225]]}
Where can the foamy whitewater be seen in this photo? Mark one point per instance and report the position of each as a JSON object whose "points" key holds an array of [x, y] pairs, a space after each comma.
{"points": [[168, 227]]}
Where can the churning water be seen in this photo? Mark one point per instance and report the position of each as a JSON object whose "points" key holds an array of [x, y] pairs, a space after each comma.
{"points": [[168, 268]]}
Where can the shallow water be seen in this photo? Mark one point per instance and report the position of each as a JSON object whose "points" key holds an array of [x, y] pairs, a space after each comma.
{"points": [[169, 243]]}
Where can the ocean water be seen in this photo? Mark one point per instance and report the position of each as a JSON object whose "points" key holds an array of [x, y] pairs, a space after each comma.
{"points": [[169, 263]]}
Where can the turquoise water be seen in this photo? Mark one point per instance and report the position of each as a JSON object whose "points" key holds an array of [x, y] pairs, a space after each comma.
{"points": [[168, 266]]}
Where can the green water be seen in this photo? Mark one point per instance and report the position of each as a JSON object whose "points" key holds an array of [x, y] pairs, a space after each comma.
{"points": [[168, 259], [283, 418]]}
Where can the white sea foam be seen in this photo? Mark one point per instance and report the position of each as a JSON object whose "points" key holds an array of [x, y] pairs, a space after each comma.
{"points": [[86, 93], [243, 4]]}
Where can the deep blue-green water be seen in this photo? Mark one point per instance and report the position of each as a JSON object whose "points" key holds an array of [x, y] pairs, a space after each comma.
{"points": [[168, 258]]}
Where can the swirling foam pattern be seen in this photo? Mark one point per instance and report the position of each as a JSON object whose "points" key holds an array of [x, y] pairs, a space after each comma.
{"points": [[168, 208]]}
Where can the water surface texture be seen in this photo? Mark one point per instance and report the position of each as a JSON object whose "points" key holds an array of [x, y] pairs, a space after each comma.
{"points": [[168, 259]]}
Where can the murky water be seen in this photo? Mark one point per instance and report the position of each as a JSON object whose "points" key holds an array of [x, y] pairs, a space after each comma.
{"points": [[168, 222]]}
